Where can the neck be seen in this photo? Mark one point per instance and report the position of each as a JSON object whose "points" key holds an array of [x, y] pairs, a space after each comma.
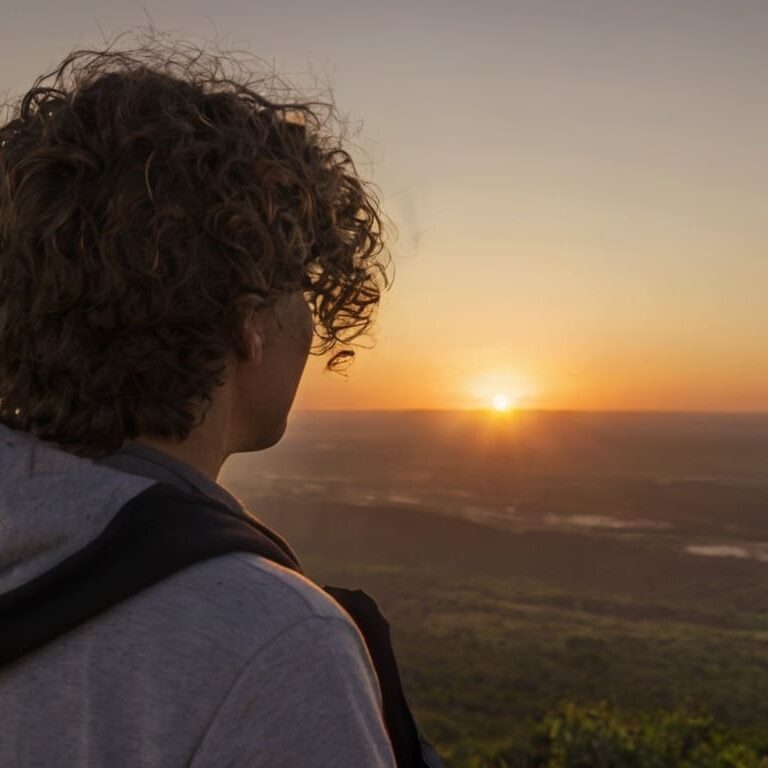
{"points": [[203, 456], [206, 448]]}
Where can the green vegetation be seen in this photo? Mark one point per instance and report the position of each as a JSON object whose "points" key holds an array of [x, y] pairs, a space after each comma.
{"points": [[504, 675], [556, 650], [546, 642], [600, 736]]}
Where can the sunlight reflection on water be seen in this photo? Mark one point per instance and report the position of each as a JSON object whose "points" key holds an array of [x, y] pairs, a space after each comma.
{"points": [[757, 550], [603, 521]]}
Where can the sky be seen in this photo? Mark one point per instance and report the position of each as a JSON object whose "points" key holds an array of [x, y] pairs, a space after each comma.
{"points": [[579, 189]]}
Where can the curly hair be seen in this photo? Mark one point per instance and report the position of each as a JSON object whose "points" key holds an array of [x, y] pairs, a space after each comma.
{"points": [[148, 199]]}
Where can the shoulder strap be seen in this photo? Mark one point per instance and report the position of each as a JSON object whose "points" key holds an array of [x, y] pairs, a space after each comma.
{"points": [[165, 530]]}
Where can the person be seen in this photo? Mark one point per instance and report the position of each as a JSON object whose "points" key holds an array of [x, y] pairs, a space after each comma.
{"points": [[175, 241]]}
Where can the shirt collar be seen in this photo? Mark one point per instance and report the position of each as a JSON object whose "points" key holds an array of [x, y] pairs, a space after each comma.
{"points": [[139, 459]]}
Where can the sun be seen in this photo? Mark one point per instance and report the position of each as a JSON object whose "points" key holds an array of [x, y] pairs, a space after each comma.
{"points": [[501, 402], [500, 391]]}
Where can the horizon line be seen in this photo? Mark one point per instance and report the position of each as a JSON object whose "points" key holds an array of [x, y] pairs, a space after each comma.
{"points": [[512, 411]]}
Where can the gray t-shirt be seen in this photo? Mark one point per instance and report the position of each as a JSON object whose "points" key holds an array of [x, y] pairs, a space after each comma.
{"points": [[234, 662]]}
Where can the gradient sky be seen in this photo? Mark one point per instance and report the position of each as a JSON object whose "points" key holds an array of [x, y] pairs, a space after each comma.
{"points": [[580, 188]]}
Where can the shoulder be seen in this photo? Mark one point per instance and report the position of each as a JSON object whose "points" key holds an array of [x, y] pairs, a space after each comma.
{"points": [[285, 589], [233, 608], [242, 601], [237, 603], [306, 676]]}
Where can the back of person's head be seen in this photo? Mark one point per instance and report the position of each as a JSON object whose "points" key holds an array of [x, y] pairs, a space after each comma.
{"points": [[149, 198]]}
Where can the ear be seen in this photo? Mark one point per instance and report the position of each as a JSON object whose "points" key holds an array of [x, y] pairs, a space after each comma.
{"points": [[251, 339]]}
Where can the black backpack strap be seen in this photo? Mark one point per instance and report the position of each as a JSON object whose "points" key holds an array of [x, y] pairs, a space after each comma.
{"points": [[157, 533], [404, 734]]}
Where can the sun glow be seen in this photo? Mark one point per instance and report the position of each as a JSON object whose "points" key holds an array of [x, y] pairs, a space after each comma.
{"points": [[499, 390]]}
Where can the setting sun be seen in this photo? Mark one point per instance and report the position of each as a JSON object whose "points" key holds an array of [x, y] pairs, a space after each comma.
{"points": [[501, 402], [499, 389]]}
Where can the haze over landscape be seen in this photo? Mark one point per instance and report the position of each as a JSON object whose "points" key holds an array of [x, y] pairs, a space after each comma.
{"points": [[529, 557]]}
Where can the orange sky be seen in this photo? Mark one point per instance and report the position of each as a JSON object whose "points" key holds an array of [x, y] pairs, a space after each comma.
{"points": [[579, 188]]}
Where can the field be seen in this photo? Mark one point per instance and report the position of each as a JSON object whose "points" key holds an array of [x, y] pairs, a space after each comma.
{"points": [[495, 620]]}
